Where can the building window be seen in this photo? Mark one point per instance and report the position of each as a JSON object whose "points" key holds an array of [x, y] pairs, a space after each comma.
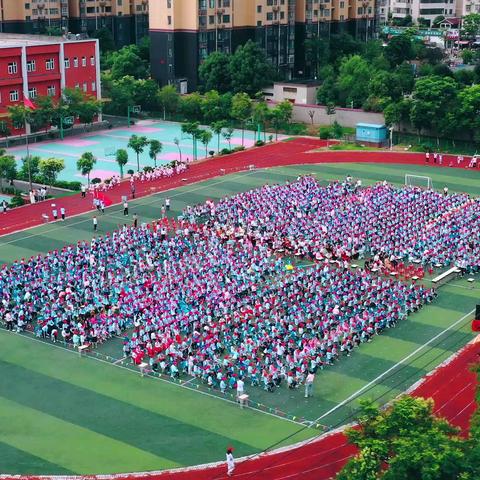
{"points": [[211, 19], [14, 95], [259, 9], [342, 4], [31, 67], [119, 3], [92, 61], [51, 90], [169, 3], [85, 86], [12, 68], [226, 19], [32, 92], [77, 85], [269, 16], [67, 63], [75, 62], [169, 20], [94, 86], [27, 6], [84, 61], [50, 64]]}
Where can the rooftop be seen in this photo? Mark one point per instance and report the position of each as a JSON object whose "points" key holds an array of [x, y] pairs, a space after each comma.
{"points": [[8, 40]]}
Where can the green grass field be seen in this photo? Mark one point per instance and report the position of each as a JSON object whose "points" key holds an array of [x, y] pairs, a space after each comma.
{"points": [[62, 414]]}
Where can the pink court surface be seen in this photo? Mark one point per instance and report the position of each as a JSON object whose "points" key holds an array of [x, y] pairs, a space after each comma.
{"points": [[323, 457]]}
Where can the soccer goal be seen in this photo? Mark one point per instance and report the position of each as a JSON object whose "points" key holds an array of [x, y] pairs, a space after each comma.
{"points": [[418, 181]]}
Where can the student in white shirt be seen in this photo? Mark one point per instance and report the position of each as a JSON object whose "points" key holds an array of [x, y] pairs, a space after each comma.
{"points": [[230, 462]]}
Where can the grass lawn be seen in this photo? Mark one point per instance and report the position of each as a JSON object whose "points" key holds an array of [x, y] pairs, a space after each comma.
{"points": [[62, 414]]}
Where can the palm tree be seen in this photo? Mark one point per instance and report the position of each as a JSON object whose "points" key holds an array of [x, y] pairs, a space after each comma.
{"points": [[205, 137], [85, 164], [138, 144], [121, 156], [155, 148], [176, 141], [217, 128], [228, 136], [191, 128]]}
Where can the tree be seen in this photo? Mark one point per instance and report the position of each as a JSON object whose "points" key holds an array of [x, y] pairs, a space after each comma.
{"points": [[168, 99], [404, 441], [342, 45], [42, 116], [433, 97], [121, 156], [155, 148], [280, 115], [399, 49], [205, 137], [105, 38], [217, 128], [215, 74], [88, 110], [241, 110], [260, 114], [471, 26], [127, 61], [120, 92], [85, 164], [176, 141], [143, 46], [469, 111], [50, 168], [249, 69], [317, 53], [191, 106], [19, 114], [145, 93], [353, 80], [191, 128], [216, 107], [34, 167], [227, 135], [137, 144], [8, 167]]}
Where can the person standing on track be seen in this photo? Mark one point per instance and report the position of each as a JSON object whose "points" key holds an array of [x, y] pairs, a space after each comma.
{"points": [[95, 224], [84, 190], [230, 462], [125, 208], [62, 213], [167, 204]]}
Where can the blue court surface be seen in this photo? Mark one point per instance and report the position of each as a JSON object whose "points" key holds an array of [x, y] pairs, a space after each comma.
{"points": [[105, 143]]}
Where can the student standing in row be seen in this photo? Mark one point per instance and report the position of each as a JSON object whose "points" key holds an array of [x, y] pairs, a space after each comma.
{"points": [[95, 224], [125, 208]]}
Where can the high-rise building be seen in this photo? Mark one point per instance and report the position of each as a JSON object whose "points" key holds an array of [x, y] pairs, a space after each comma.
{"points": [[34, 16], [425, 9], [465, 7], [126, 19], [184, 32]]}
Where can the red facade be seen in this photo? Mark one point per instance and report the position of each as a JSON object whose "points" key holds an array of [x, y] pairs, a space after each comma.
{"points": [[46, 72]]}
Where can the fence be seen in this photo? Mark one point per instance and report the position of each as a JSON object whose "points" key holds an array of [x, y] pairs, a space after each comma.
{"points": [[436, 143]]}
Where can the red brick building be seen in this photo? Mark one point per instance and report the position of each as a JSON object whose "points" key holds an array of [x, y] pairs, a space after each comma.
{"points": [[32, 66]]}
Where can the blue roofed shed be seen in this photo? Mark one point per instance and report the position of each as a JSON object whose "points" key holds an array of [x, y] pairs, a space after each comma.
{"points": [[371, 133]]}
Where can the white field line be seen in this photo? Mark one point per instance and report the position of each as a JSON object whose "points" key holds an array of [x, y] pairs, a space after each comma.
{"points": [[386, 372], [182, 385]]}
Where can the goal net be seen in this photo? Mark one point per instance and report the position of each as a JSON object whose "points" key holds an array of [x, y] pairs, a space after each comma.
{"points": [[418, 181]]}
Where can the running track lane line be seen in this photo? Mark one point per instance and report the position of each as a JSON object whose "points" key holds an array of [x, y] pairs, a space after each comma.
{"points": [[64, 225], [402, 361]]}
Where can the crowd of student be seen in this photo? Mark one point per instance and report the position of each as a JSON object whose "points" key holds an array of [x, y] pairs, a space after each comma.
{"points": [[214, 299], [342, 221]]}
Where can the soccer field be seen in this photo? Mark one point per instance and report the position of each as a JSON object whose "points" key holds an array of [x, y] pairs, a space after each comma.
{"points": [[62, 414]]}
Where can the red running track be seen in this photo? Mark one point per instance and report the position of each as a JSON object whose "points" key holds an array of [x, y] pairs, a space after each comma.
{"points": [[451, 386], [277, 154]]}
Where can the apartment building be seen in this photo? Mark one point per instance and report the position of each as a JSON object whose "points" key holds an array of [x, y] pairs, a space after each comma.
{"points": [[33, 16], [36, 65], [465, 7], [427, 9], [184, 32], [126, 19]]}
